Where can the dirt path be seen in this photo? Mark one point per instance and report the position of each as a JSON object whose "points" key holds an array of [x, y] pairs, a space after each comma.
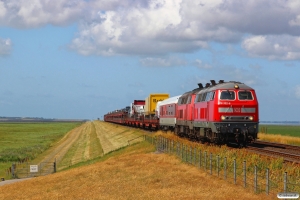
{"points": [[65, 144], [55, 153], [61, 148]]}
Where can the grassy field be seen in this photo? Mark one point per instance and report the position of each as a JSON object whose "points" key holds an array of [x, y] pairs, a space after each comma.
{"points": [[280, 134], [25, 141], [286, 130]]}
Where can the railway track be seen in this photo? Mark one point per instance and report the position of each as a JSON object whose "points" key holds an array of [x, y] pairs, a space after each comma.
{"points": [[289, 153]]}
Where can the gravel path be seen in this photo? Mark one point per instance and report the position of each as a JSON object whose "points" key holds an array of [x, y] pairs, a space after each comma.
{"points": [[13, 181]]}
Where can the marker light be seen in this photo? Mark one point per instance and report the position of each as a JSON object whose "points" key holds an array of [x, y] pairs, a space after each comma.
{"points": [[223, 117], [250, 118]]}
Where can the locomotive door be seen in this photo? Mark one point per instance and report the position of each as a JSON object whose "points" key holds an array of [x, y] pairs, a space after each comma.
{"points": [[189, 109], [210, 106], [207, 111], [208, 97]]}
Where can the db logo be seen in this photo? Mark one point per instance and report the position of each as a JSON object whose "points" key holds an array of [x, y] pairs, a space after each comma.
{"points": [[237, 110]]}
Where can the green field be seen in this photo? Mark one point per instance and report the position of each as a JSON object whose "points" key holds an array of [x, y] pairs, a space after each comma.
{"points": [[21, 141], [287, 130]]}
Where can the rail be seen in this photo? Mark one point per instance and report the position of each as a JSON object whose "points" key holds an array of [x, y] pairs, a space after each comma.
{"points": [[289, 153]]}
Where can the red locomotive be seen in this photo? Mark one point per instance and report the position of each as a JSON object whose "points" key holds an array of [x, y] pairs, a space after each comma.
{"points": [[220, 113]]}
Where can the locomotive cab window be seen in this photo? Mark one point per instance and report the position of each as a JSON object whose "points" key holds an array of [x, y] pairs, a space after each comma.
{"points": [[212, 96], [183, 100], [179, 101], [189, 99], [227, 95], [207, 98], [204, 96], [196, 98], [199, 97], [245, 95]]}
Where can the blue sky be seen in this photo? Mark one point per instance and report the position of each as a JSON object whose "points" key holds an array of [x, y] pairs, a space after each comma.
{"points": [[80, 59]]}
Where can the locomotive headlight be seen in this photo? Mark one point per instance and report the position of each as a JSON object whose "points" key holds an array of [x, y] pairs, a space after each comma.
{"points": [[250, 118], [223, 118]]}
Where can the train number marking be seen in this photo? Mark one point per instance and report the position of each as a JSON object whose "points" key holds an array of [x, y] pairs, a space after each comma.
{"points": [[237, 110]]}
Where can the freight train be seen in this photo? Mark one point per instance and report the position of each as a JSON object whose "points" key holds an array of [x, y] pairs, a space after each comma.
{"points": [[220, 113]]}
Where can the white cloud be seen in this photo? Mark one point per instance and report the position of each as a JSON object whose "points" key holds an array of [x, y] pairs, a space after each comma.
{"points": [[5, 47], [273, 47], [137, 30], [2, 10], [297, 91], [160, 27], [294, 6], [295, 22], [36, 13]]}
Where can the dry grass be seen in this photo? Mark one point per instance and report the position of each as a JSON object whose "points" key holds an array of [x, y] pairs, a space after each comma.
{"points": [[87, 146], [279, 138], [113, 136], [135, 174], [276, 165]]}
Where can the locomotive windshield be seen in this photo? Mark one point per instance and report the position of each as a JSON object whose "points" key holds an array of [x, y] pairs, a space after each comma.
{"points": [[227, 95], [245, 95]]}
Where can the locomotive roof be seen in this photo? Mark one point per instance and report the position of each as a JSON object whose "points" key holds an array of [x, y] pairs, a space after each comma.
{"points": [[230, 85], [219, 86]]}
